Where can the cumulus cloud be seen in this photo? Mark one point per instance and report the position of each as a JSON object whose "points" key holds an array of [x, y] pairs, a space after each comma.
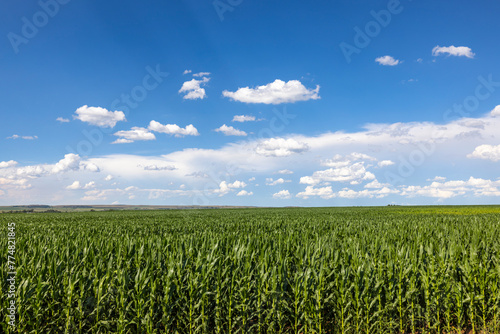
{"points": [[134, 134], [327, 193], [244, 193], [201, 74], [18, 184], [99, 116], [280, 147], [230, 131], [354, 173], [283, 194], [186, 72], [486, 152], [193, 89], [225, 187], [463, 51], [109, 178], [476, 186], [310, 191], [8, 164], [91, 167], [387, 61], [62, 120], [31, 171], [345, 160], [173, 129], [69, 162], [271, 182], [496, 111], [385, 163], [284, 172], [243, 118], [23, 137], [274, 93], [89, 185], [74, 186]]}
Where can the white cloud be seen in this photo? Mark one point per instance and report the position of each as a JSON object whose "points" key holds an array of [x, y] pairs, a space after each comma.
{"points": [[487, 152], [354, 173], [385, 163], [230, 131], [437, 178], [496, 111], [346, 160], [324, 192], [8, 164], [134, 134], [280, 147], [244, 193], [23, 137], [198, 174], [375, 184], [274, 93], [387, 61], [69, 162], [201, 74], [437, 143], [193, 89], [109, 178], [271, 182], [159, 168], [453, 51], [173, 129], [251, 179], [62, 120], [99, 116], [284, 172], [74, 186], [476, 186], [186, 72], [31, 171], [89, 185], [91, 167], [327, 193], [243, 118], [283, 194], [225, 187], [379, 193], [14, 183]]}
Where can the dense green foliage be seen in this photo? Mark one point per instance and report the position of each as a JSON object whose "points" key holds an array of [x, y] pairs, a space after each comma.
{"points": [[327, 270]]}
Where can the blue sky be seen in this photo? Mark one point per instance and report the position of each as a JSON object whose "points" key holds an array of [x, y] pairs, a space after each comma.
{"points": [[343, 103]]}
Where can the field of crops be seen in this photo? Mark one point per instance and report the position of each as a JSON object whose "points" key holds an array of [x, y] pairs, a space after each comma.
{"points": [[296, 270]]}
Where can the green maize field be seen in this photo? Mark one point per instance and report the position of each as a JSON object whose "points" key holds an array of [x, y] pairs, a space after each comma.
{"points": [[293, 270]]}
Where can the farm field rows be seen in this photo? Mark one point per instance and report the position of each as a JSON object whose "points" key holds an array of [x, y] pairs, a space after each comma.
{"points": [[290, 270]]}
